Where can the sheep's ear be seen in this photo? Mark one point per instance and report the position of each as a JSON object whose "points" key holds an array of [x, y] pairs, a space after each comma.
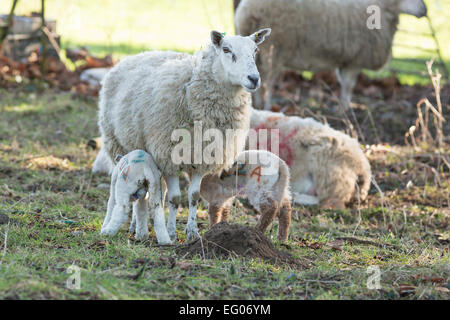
{"points": [[216, 38], [259, 36]]}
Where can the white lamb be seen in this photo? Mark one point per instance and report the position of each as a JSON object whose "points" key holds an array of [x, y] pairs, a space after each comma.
{"points": [[319, 35], [146, 97], [260, 176], [327, 167], [134, 175]]}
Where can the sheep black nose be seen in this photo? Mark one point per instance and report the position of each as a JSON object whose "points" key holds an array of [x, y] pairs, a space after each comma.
{"points": [[253, 79]]}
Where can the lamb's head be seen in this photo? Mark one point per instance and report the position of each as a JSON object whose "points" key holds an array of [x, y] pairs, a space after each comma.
{"points": [[414, 7], [236, 55]]}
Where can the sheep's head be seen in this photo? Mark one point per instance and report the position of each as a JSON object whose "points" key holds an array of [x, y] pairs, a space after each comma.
{"points": [[415, 7], [237, 57]]}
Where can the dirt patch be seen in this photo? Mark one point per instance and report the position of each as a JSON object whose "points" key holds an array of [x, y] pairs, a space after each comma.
{"points": [[225, 240]]}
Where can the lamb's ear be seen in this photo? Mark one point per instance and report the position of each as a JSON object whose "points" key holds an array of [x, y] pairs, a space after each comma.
{"points": [[216, 38], [260, 35]]}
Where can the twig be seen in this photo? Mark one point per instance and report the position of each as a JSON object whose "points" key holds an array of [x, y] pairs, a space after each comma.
{"points": [[5, 242], [369, 242], [139, 274]]}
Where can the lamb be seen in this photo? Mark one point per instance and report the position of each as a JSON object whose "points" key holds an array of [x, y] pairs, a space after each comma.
{"points": [[319, 35], [327, 167], [263, 178], [146, 97], [134, 175]]}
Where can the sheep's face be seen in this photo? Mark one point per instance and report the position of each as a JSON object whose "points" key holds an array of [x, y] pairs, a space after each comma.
{"points": [[237, 57], [415, 7]]}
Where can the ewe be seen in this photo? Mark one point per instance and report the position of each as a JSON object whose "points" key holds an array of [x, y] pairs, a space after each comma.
{"points": [[146, 97], [260, 176], [134, 175], [321, 35], [325, 164]]}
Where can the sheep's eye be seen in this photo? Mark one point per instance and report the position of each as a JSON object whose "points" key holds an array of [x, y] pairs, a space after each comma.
{"points": [[226, 50]]}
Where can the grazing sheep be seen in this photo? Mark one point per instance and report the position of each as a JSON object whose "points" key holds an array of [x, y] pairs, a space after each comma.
{"points": [[260, 176], [133, 175], [320, 35], [144, 98], [325, 164]]}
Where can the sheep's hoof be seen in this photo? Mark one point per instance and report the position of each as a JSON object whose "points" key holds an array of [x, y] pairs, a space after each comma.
{"points": [[107, 232], [141, 236], [163, 238], [172, 235], [192, 233]]}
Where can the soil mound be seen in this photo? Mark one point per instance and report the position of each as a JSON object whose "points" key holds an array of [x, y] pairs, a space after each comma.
{"points": [[224, 240]]}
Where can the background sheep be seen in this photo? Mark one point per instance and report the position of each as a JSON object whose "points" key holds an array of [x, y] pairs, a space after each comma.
{"points": [[319, 35], [260, 176], [325, 164], [134, 175], [146, 97]]}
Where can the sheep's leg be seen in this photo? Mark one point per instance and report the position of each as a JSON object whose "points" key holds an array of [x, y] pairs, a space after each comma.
{"points": [[347, 79], [173, 184], [284, 220], [111, 201], [193, 197], [140, 215], [268, 211], [155, 202], [119, 214]]}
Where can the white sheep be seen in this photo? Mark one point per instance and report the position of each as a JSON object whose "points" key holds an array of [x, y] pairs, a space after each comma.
{"points": [[134, 175], [326, 165], [320, 35], [260, 176], [146, 97]]}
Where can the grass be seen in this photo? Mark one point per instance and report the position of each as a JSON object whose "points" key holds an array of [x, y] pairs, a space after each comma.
{"points": [[125, 28], [56, 208]]}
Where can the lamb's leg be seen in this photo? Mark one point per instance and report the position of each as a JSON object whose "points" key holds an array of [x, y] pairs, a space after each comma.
{"points": [[284, 220], [173, 184], [132, 228], [140, 214], [119, 214], [111, 201], [268, 211], [347, 79], [226, 209], [193, 197], [155, 202], [215, 214]]}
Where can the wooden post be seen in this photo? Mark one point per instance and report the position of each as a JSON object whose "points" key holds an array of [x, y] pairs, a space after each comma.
{"points": [[43, 39], [9, 20]]}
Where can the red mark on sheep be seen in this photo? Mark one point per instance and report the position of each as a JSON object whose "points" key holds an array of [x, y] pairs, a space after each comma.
{"points": [[284, 148], [256, 172]]}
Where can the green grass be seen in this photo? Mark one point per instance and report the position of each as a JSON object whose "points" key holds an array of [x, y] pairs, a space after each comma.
{"points": [[129, 27], [56, 208]]}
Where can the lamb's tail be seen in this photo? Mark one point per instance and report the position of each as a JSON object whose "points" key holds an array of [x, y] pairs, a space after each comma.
{"points": [[282, 184]]}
